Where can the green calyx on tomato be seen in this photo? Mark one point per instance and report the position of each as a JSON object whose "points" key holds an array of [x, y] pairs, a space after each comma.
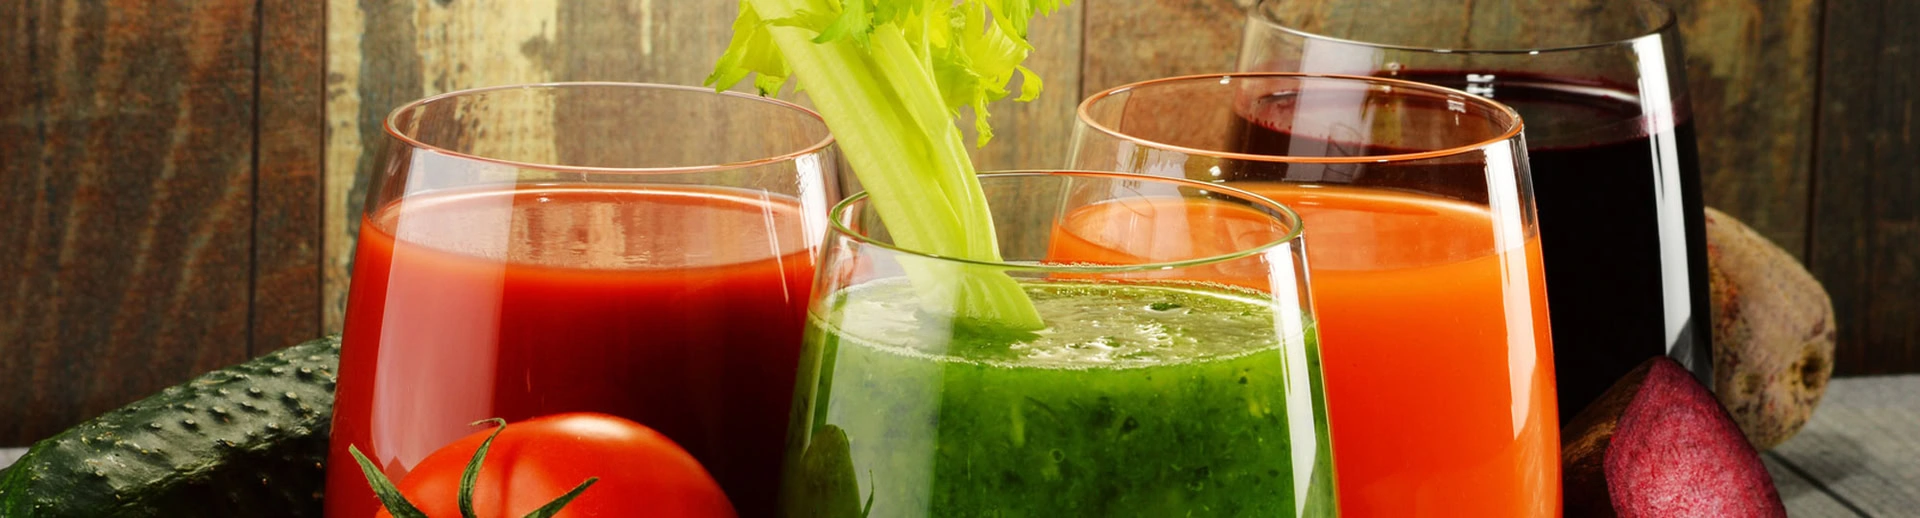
{"points": [[399, 507], [516, 470]]}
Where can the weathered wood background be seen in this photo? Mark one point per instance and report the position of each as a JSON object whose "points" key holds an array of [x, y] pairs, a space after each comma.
{"points": [[181, 178]]}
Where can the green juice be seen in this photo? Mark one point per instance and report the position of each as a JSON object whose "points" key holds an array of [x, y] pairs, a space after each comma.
{"points": [[1138, 400]]}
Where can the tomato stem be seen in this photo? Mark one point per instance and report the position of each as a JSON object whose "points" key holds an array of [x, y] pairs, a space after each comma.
{"points": [[547, 511], [867, 510], [472, 475], [397, 505]]}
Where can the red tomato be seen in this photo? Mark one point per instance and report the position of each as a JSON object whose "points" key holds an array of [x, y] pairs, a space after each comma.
{"points": [[642, 473]]}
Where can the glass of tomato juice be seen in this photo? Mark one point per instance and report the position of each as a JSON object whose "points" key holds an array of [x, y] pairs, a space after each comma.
{"points": [[1425, 259], [643, 251]]}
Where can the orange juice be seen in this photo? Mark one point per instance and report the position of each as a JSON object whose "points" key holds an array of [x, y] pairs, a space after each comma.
{"points": [[1434, 339]]}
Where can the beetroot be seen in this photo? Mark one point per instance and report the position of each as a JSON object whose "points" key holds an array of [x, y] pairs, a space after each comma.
{"points": [[1659, 445], [1772, 332]]}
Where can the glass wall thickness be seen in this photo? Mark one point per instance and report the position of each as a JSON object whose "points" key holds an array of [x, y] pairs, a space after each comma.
{"points": [[1181, 379], [1425, 265], [643, 251], [1602, 88]]}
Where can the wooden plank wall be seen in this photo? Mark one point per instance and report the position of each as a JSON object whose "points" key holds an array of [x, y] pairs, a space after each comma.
{"points": [[181, 179], [1866, 200], [290, 137], [387, 52], [127, 152]]}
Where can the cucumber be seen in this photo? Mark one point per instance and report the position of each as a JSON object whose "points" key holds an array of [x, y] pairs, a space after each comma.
{"points": [[248, 440]]}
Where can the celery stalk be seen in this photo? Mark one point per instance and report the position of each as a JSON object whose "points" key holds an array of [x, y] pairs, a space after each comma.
{"points": [[890, 77]]}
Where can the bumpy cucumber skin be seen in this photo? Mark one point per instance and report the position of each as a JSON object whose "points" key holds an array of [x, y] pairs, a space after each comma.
{"points": [[248, 440]]}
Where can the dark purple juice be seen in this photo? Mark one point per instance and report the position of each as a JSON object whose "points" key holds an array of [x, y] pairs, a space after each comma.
{"points": [[1624, 236], [1617, 188]]}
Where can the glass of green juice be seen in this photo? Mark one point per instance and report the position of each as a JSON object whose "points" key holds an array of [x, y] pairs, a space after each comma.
{"points": [[1175, 376]]}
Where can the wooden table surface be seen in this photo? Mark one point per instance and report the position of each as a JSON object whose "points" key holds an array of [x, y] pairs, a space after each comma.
{"points": [[1858, 457]]}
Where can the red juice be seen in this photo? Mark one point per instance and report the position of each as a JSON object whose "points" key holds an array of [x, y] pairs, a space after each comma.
{"points": [[678, 307]]}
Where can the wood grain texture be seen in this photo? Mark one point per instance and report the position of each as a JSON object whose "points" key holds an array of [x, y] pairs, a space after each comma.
{"points": [[125, 148], [652, 41], [1866, 208], [383, 53], [1861, 444], [1129, 41], [1752, 67], [1804, 498], [1036, 135], [290, 132], [142, 219], [1477, 24], [658, 41]]}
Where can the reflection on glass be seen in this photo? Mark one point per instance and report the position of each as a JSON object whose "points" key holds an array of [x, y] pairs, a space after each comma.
{"points": [[1609, 132], [615, 248], [1177, 374], [1425, 266]]}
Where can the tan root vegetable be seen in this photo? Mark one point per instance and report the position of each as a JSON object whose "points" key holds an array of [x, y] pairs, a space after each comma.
{"points": [[1772, 332]]}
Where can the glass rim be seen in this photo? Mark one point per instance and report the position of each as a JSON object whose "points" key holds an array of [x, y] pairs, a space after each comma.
{"points": [[388, 124], [1295, 226], [1668, 21], [1084, 115]]}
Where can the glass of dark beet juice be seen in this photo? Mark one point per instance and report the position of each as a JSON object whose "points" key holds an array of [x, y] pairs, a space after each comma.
{"points": [[643, 251], [1600, 87]]}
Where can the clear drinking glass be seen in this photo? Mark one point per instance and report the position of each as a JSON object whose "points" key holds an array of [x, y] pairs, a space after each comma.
{"points": [[1177, 374], [1610, 133], [1425, 262], [637, 250]]}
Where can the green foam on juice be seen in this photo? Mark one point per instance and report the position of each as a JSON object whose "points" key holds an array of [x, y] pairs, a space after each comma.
{"points": [[1135, 400]]}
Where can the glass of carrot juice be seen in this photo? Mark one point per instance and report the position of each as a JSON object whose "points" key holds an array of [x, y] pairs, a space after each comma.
{"points": [[1425, 268]]}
